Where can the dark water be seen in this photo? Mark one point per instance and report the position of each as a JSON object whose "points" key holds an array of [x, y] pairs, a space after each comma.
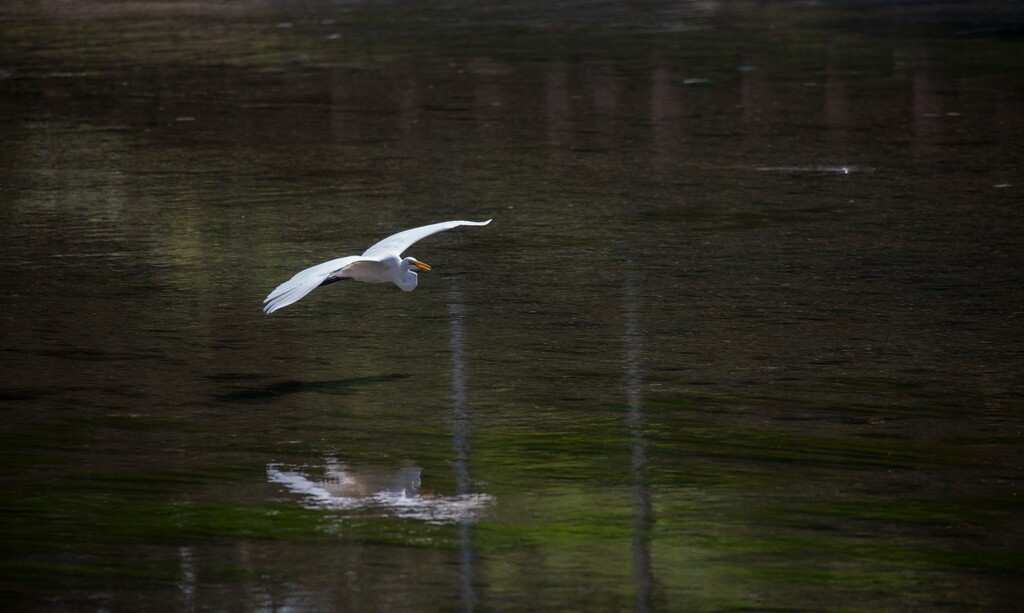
{"points": [[745, 332]]}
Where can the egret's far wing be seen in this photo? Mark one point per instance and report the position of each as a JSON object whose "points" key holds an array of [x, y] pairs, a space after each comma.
{"points": [[303, 282], [397, 243]]}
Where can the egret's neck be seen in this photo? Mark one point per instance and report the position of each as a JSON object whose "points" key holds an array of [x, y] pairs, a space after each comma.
{"points": [[406, 278]]}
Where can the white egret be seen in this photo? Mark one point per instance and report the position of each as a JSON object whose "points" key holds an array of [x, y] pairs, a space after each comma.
{"points": [[380, 263]]}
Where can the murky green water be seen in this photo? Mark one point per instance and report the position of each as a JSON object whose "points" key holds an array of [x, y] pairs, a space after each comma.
{"points": [[745, 332]]}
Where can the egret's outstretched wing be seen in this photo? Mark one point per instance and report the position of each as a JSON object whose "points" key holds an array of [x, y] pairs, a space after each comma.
{"points": [[305, 281], [397, 243]]}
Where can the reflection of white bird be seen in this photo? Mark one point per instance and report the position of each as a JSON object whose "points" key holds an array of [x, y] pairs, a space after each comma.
{"points": [[380, 263]]}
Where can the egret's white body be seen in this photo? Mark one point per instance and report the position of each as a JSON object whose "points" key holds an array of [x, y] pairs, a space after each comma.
{"points": [[381, 263]]}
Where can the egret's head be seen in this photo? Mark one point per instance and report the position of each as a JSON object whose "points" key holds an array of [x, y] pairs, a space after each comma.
{"points": [[413, 263], [407, 279]]}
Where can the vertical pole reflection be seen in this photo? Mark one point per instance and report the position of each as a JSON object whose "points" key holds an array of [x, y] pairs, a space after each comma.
{"points": [[461, 422], [643, 516]]}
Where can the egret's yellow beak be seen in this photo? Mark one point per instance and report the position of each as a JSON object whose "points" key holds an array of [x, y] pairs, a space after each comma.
{"points": [[420, 265]]}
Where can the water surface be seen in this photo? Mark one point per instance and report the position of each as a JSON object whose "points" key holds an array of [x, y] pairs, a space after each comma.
{"points": [[745, 331]]}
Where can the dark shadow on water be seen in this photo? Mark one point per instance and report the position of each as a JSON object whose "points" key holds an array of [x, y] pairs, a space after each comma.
{"points": [[337, 387]]}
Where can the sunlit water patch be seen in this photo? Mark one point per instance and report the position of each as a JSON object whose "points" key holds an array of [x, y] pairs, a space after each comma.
{"points": [[395, 492]]}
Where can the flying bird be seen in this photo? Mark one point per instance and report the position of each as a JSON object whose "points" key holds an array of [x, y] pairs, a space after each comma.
{"points": [[381, 263]]}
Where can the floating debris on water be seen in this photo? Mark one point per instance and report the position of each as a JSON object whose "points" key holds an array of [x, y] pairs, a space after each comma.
{"points": [[830, 170]]}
